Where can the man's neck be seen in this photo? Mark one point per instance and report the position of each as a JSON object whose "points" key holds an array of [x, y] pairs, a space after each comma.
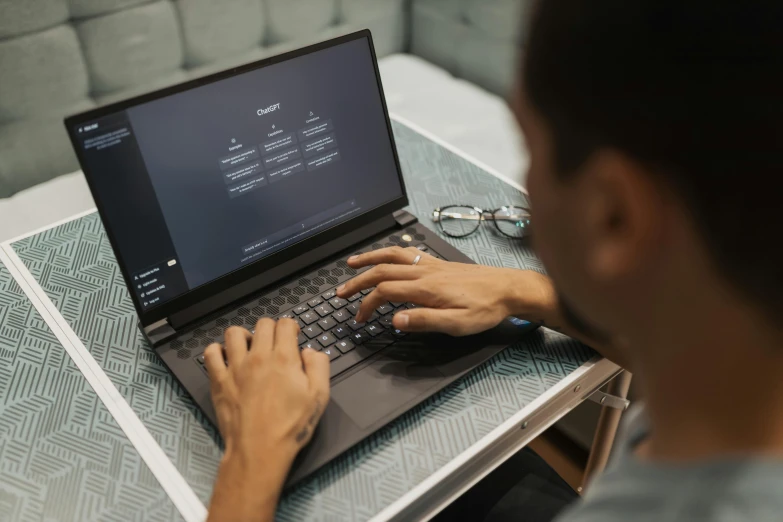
{"points": [[715, 388]]}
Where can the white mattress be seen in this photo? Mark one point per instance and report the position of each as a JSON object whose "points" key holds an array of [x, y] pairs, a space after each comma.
{"points": [[456, 111]]}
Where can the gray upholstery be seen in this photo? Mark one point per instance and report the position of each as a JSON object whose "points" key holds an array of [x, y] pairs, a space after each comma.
{"points": [[474, 40], [59, 57]]}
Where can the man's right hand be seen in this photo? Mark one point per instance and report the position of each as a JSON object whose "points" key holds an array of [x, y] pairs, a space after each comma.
{"points": [[461, 299], [453, 298]]}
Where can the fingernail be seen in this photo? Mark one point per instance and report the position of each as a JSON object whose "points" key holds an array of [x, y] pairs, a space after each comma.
{"points": [[353, 258], [402, 320], [340, 288]]}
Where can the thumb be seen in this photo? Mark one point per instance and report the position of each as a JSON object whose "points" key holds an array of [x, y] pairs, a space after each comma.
{"points": [[452, 321], [316, 367]]}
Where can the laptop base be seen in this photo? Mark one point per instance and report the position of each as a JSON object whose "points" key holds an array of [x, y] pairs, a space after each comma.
{"points": [[380, 383]]}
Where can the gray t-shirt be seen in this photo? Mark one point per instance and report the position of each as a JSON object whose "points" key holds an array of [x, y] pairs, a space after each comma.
{"points": [[726, 490]]}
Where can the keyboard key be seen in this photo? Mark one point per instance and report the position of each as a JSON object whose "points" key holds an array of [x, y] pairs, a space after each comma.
{"points": [[396, 304], [384, 309], [422, 247], [200, 359], [328, 295], [315, 301], [299, 310], [300, 338], [324, 310], [289, 316], [359, 337], [398, 333], [353, 308], [411, 305], [326, 339], [332, 352], [354, 325], [373, 329], [354, 297], [337, 302], [327, 323], [345, 345], [341, 316], [367, 290], [341, 332], [309, 317], [312, 331], [310, 344], [386, 321]]}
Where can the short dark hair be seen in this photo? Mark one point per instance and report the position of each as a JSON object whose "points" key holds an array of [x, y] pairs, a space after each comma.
{"points": [[692, 89]]}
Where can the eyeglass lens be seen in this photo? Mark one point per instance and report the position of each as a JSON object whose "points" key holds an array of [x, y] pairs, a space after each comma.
{"points": [[459, 221]]}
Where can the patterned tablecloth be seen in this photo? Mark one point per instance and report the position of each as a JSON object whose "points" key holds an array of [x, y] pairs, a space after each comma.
{"points": [[63, 456]]}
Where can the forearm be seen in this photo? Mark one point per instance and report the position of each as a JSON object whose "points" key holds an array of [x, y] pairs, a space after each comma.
{"points": [[248, 488], [544, 308]]}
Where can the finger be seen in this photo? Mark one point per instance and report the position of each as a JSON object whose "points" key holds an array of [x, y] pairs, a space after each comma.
{"points": [[316, 367], [286, 347], [452, 321], [392, 291], [237, 340], [377, 274], [264, 338], [213, 360], [393, 255]]}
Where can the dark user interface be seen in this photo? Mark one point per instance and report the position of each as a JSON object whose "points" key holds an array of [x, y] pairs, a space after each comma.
{"points": [[203, 182]]}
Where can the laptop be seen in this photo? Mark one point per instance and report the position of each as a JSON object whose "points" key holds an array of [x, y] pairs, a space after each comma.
{"points": [[241, 195]]}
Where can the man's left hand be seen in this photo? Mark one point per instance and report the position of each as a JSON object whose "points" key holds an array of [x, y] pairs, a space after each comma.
{"points": [[268, 397]]}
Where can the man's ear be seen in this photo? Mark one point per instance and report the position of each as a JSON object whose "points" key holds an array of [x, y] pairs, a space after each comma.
{"points": [[624, 206]]}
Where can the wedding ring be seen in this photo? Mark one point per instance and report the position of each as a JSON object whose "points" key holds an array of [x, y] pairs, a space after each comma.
{"points": [[416, 260]]}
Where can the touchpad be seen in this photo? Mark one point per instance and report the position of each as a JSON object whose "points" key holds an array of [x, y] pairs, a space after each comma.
{"points": [[383, 387]]}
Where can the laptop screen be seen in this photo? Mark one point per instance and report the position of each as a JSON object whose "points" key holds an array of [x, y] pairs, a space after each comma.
{"points": [[203, 182]]}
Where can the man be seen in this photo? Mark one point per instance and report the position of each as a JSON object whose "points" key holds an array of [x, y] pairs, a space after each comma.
{"points": [[655, 130]]}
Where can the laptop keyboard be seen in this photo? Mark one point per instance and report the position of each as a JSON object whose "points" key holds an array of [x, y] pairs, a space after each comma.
{"points": [[328, 325]]}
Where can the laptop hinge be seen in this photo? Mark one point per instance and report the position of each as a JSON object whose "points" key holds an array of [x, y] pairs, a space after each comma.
{"points": [[404, 218], [158, 331]]}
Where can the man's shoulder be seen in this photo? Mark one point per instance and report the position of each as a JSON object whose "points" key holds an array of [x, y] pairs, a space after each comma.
{"points": [[720, 490]]}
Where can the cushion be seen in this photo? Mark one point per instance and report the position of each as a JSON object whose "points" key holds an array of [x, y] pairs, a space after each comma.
{"points": [[131, 47], [213, 29], [386, 19], [20, 17], [85, 8], [476, 40], [36, 150], [41, 72], [298, 19]]}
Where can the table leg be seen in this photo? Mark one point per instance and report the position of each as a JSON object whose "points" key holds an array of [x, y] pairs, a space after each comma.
{"points": [[605, 432]]}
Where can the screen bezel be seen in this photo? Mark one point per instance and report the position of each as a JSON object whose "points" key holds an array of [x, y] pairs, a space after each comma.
{"points": [[239, 275]]}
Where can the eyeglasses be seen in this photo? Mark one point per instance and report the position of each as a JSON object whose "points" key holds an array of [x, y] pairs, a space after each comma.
{"points": [[463, 220]]}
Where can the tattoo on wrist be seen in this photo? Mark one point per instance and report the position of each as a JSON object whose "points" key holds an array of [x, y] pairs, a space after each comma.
{"points": [[311, 422], [316, 414], [302, 435]]}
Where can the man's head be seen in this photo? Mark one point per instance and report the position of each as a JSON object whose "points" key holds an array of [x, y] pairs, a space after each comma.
{"points": [[655, 129]]}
